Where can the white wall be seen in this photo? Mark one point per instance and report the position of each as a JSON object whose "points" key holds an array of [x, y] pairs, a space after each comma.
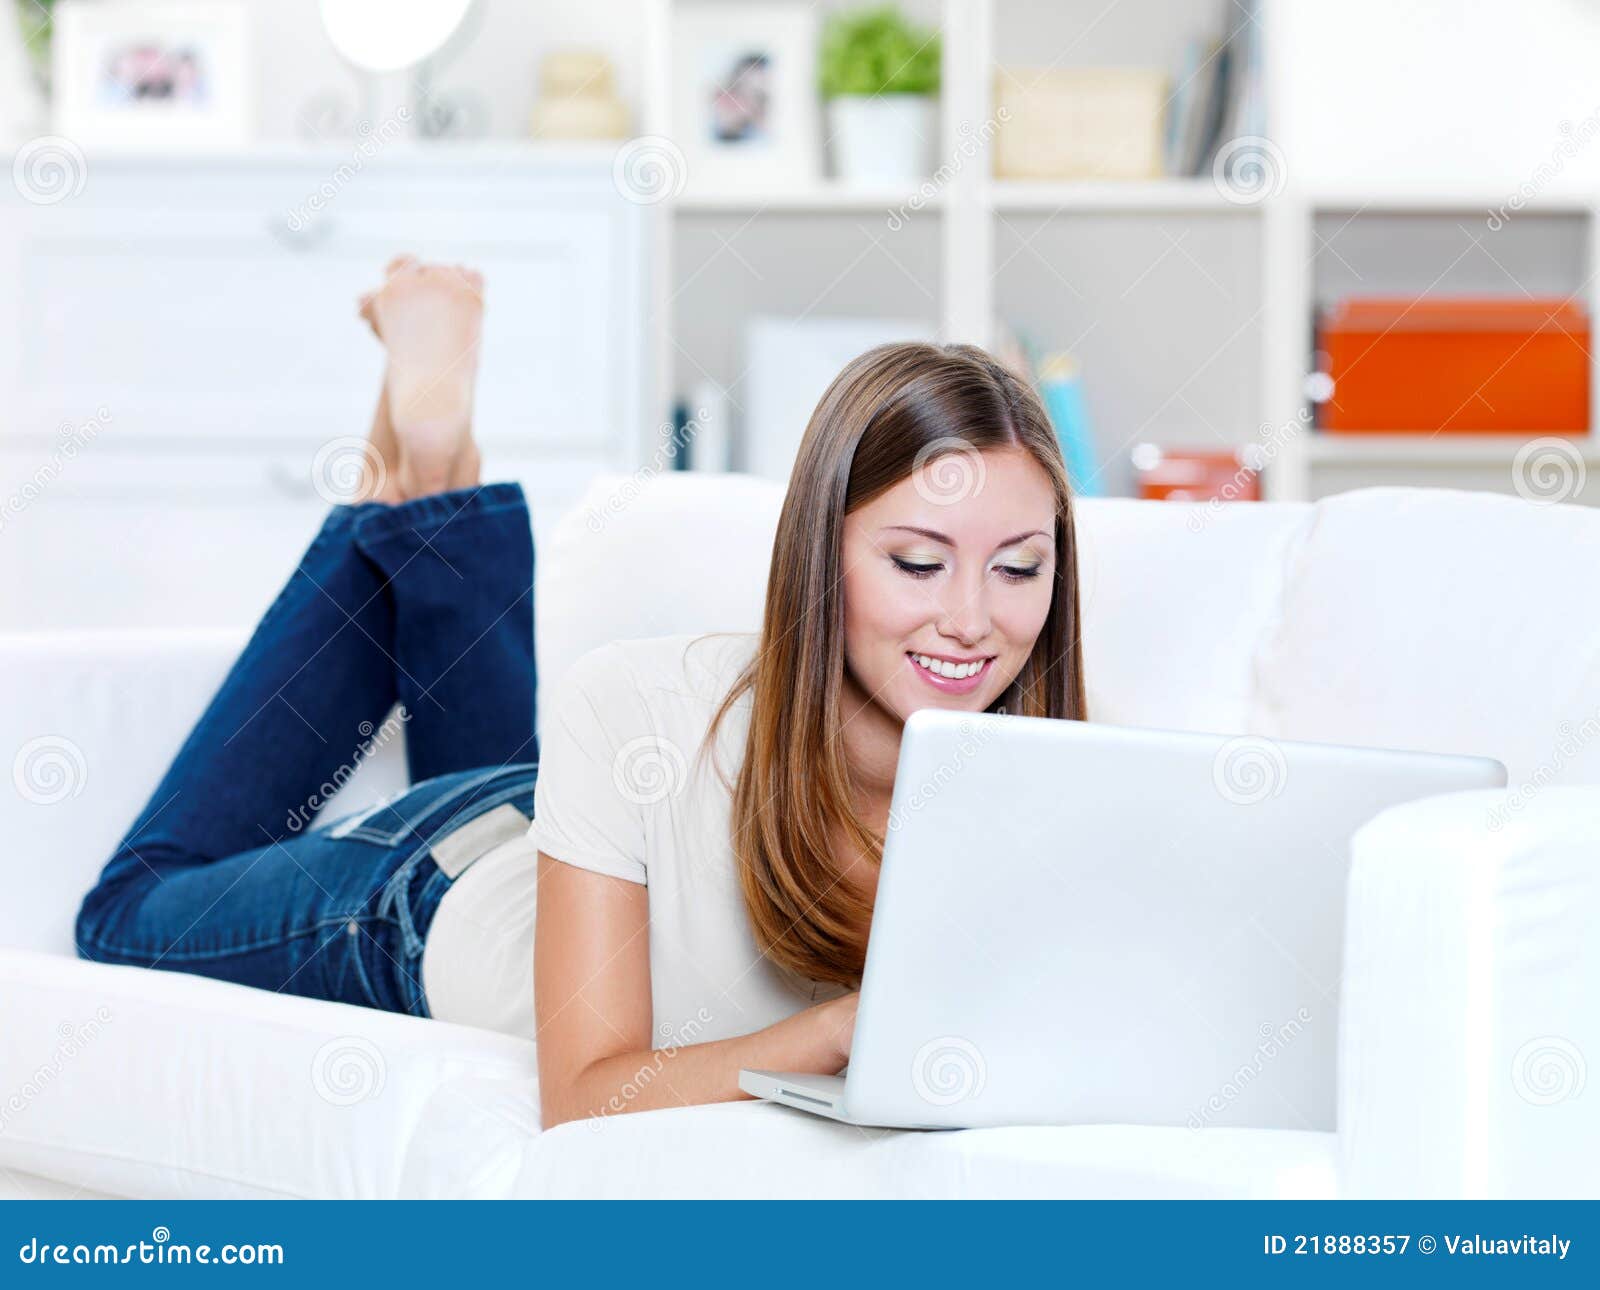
{"points": [[1412, 92]]}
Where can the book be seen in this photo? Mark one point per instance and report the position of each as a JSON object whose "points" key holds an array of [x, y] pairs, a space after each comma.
{"points": [[1061, 390]]}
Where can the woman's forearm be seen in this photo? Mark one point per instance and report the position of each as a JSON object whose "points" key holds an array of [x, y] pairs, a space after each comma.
{"points": [[816, 1040]]}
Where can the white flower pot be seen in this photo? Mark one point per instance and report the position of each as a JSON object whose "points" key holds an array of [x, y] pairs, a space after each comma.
{"points": [[882, 139]]}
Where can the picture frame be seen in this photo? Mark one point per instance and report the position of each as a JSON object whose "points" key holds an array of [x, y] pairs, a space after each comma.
{"points": [[153, 75], [745, 108]]}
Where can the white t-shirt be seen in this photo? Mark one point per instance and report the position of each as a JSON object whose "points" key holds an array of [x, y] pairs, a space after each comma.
{"points": [[623, 790]]}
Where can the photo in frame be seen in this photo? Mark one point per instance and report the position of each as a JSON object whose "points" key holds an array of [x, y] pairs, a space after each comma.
{"points": [[153, 75], [745, 110]]}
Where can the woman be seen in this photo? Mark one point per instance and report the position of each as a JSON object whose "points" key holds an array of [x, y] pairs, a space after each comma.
{"points": [[709, 811]]}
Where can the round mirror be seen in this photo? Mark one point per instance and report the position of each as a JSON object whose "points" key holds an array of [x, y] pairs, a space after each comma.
{"points": [[391, 35]]}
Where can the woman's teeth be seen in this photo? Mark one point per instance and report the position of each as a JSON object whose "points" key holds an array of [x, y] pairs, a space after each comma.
{"points": [[954, 671]]}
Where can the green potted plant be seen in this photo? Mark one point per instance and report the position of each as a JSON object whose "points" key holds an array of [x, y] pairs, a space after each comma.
{"points": [[24, 67], [879, 76]]}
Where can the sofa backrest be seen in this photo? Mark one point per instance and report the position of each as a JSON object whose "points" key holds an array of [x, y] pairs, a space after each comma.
{"points": [[1395, 617], [1446, 621], [1174, 598]]}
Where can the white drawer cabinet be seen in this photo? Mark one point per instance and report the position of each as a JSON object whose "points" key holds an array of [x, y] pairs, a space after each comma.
{"points": [[207, 308], [164, 539]]}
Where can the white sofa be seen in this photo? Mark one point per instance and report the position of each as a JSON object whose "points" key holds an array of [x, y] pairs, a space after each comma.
{"points": [[1470, 998]]}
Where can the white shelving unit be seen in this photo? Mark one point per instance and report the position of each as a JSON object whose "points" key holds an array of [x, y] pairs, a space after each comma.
{"points": [[1192, 308]]}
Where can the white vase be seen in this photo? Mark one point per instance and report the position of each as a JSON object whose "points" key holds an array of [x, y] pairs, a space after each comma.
{"points": [[882, 139]]}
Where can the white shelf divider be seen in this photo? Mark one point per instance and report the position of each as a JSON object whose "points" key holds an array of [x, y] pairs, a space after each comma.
{"points": [[967, 230], [814, 197], [1196, 196]]}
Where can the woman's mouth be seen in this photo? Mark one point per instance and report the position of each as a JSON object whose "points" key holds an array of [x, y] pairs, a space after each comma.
{"points": [[948, 676]]}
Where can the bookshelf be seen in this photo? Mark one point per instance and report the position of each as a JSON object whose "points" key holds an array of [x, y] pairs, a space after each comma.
{"points": [[1190, 309]]}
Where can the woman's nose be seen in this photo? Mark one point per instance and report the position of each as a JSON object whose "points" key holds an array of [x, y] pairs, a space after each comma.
{"points": [[965, 611]]}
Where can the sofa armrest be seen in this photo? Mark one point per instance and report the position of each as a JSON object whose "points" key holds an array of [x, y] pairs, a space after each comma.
{"points": [[160, 1084], [1471, 1003], [88, 724]]}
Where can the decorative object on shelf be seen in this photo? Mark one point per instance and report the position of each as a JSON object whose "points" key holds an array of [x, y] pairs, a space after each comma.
{"points": [[1197, 474], [1079, 123], [578, 98], [711, 444], [396, 46], [1058, 379], [153, 74], [1217, 120], [1492, 365], [24, 70], [789, 364], [1061, 390], [744, 108], [880, 80]]}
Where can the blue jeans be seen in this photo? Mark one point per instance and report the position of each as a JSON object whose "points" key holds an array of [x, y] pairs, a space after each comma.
{"points": [[428, 605]]}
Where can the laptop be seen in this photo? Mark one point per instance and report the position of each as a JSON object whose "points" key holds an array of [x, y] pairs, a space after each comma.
{"points": [[1090, 924]]}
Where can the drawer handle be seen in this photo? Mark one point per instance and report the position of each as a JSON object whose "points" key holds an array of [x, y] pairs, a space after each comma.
{"points": [[297, 234], [290, 482]]}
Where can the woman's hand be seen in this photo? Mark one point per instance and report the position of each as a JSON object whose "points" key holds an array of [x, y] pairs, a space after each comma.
{"points": [[592, 999], [838, 1022]]}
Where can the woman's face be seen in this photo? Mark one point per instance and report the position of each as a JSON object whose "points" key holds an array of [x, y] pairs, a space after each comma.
{"points": [[953, 567]]}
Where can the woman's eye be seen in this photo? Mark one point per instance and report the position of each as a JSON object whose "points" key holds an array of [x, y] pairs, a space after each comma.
{"points": [[1017, 572], [913, 569]]}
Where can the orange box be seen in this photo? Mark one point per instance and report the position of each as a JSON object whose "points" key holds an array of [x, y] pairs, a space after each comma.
{"points": [[1422, 365], [1194, 475]]}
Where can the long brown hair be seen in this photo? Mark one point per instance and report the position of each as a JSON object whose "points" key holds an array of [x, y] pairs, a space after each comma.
{"points": [[895, 410]]}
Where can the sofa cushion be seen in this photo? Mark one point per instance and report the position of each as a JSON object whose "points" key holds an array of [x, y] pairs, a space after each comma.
{"points": [[758, 1151], [1444, 621], [653, 555], [1175, 600]]}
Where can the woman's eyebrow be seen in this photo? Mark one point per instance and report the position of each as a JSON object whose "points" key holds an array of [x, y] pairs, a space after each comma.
{"points": [[940, 537]]}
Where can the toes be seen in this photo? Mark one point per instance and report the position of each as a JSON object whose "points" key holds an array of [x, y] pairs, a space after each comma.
{"points": [[403, 261]]}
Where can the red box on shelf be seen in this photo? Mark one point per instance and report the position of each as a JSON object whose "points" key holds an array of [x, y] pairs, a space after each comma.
{"points": [[1427, 365], [1195, 475]]}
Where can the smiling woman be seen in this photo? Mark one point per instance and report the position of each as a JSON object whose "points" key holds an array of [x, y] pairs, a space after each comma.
{"points": [[925, 557]]}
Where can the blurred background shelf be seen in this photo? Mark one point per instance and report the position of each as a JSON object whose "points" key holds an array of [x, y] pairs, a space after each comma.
{"points": [[817, 197], [1195, 196], [1188, 306], [1439, 449]]}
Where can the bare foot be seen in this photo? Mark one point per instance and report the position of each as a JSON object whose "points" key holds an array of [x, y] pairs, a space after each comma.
{"points": [[429, 318]]}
